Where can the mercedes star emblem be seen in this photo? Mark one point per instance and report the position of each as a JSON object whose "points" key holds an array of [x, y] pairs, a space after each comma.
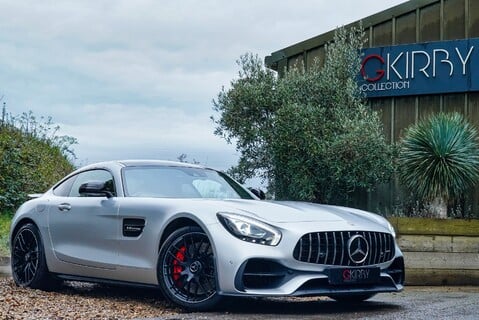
{"points": [[358, 249]]}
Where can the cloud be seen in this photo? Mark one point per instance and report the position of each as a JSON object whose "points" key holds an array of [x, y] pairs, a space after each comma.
{"points": [[136, 78], [115, 132]]}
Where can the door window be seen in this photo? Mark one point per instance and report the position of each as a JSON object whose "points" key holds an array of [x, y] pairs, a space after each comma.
{"points": [[63, 189]]}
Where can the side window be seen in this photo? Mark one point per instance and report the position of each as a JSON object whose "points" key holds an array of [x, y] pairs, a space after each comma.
{"points": [[93, 175], [63, 189]]}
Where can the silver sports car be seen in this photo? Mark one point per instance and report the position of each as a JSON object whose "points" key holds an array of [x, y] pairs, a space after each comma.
{"points": [[199, 236]]}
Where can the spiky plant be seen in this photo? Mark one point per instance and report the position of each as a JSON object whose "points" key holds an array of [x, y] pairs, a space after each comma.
{"points": [[439, 160]]}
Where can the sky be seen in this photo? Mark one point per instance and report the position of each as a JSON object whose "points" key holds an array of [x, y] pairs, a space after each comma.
{"points": [[135, 79]]}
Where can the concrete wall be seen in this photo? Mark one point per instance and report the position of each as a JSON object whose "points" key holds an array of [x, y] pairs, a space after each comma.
{"points": [[439, 252]]}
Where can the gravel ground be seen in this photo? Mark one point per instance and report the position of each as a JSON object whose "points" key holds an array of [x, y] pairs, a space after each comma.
{"points": [[75, 300]]}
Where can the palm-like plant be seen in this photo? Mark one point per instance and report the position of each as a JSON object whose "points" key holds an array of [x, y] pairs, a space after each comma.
{"points": [[439, 160]]}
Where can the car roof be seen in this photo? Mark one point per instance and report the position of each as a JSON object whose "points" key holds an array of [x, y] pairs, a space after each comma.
{"points": [[143, 163], [140, 163]]}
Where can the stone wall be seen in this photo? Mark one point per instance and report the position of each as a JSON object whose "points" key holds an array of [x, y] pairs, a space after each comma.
{"points": [[439, 252]]}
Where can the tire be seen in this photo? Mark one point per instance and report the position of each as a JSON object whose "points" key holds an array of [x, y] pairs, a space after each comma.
{"points": [[187, 271], [352, 297], [29, 268]]}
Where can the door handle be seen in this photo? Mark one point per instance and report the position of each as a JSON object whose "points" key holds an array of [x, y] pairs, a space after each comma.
{"points": [[64, 207]]}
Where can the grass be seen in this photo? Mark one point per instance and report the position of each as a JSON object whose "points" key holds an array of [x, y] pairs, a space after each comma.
{"points": [[5, 220]]}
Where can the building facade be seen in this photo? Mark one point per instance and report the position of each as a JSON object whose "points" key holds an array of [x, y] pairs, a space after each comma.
{"points": [[428, 45]]}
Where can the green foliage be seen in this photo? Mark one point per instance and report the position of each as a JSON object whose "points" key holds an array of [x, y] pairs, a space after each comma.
{"points": [[247, 116], [309, 134], [328, 162], [5, 220], [439, 157], [32, 157]]}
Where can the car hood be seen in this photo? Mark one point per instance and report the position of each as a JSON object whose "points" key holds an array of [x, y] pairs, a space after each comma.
{"points": [[292, 212]]}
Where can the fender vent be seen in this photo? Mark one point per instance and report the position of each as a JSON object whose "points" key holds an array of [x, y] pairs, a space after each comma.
{"points": [[133, 227]]}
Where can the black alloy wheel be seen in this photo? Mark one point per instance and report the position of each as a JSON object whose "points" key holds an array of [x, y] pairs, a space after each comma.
{"points": [[187, 271], [28, 259]]}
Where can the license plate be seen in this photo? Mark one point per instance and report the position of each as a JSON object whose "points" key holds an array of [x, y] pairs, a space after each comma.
{"points": [[354, 276]]}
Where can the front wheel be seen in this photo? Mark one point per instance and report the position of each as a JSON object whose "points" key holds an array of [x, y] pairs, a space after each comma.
{"points": [[187, 271]]}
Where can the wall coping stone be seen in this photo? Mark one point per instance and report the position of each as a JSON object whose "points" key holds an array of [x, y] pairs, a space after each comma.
{"points": [[439, 227]]}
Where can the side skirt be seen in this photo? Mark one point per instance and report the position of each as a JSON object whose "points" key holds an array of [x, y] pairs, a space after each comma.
{"points": [[105, 281]]}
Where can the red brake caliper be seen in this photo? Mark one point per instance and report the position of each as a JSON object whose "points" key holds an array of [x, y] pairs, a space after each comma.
{"points": [[177, 268]]}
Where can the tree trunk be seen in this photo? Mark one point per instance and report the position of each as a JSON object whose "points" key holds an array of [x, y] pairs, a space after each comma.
{"points": [[438, 208]]}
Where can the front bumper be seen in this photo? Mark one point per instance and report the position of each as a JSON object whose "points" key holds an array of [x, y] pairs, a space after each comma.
{"points": [[267, 277], [247, 269]]}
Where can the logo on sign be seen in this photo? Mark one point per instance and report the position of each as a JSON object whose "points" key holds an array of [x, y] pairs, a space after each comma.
{"points": [[350, 275], [435, 67]]}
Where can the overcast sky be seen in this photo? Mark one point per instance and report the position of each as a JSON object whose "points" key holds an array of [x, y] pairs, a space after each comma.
{"points": [[135, 79]]}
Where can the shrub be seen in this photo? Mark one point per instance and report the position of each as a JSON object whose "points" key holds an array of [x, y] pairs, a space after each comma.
{"points": [[5, 219], [32, 157], [439, 160]]}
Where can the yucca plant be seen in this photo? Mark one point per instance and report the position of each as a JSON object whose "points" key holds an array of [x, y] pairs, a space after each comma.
{"points": [[439, 160]]}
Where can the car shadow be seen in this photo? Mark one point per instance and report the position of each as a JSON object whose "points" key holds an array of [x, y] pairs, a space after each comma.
{"points": [[306, 306], [240, 306], [146, 295]]}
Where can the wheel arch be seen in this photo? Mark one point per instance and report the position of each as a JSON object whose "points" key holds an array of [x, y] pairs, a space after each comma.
{"points": [[20, 224], [175, 225]]}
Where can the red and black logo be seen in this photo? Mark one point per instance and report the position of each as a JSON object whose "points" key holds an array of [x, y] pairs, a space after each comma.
{"points": [[374, 60]]}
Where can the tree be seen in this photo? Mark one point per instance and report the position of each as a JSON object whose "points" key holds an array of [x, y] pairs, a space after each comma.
{"points": [[247, 116], [309, 134], [439, 160]]}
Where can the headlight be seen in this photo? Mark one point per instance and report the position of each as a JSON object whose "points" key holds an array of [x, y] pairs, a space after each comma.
{"points": [[249, 229]]}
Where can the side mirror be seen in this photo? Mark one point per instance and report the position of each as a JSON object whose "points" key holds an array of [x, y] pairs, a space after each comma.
{"points": [[258, 192], [95, 189]]}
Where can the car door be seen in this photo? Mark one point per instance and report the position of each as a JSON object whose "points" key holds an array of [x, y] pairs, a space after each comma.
{"points": [[84, 229]]}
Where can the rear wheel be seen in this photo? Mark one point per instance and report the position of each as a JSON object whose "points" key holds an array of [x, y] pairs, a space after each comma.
{"points": [[187, 271], [352, 297], [29, 268]]}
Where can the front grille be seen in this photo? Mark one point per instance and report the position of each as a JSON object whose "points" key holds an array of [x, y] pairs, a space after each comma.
{"points": [[331, 248]]}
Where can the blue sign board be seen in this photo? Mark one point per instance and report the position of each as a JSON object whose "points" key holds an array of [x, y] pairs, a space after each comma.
{"points": [[425, 68]]}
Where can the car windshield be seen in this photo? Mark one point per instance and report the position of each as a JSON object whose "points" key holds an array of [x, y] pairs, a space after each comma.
{"points": [[180, 182]]}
